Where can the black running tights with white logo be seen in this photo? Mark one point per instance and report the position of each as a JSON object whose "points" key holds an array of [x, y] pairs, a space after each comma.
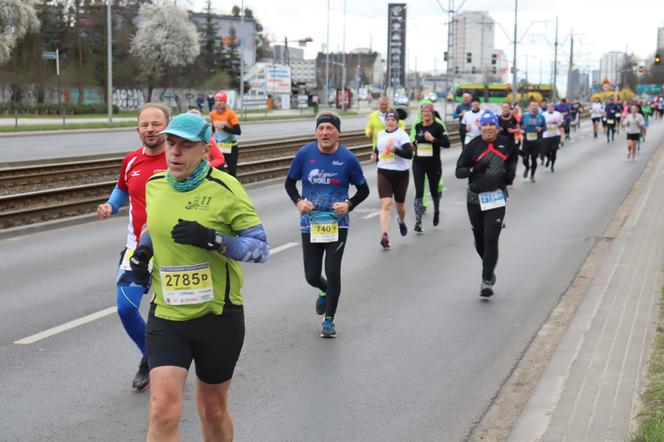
{"points": [[486, 229], [332, 252]]}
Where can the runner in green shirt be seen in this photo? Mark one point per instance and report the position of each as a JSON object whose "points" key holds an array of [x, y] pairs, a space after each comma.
{"points": [[200, 223]]}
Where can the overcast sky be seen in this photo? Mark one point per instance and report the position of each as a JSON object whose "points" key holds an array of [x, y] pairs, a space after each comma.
{"points": [[599, 26]]}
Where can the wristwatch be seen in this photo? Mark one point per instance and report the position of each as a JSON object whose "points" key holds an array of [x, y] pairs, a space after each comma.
{"points": [[350, 205]]}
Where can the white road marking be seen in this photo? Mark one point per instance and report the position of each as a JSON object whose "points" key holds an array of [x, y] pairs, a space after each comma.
{"points": [[103, 313], [283, 247], [371, 215], [67, 326]]}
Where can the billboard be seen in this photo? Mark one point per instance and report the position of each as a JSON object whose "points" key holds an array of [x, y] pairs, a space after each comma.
{"points": [[278, 79], [396, 45], [267, 78]]}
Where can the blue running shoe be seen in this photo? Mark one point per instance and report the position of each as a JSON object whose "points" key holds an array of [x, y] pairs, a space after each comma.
{"points": [[328, 330], [320, 303], [403, 229]]}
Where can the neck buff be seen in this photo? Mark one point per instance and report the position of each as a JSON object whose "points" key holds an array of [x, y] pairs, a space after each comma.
{"points": [[192, 181]]}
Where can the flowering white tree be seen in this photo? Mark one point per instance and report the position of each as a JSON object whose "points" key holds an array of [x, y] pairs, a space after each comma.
{"points": [[165, 38], [17, 18]]}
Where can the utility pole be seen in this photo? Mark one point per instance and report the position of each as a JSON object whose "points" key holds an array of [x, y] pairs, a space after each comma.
{"points": [[514, 88], [109, 56], [555, 63], [242, 60], [343, 69], [570, 92], [451, 47], [327, 56]]}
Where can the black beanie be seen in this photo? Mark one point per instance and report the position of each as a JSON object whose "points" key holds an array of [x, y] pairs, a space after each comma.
{"points": [[329, 118]]}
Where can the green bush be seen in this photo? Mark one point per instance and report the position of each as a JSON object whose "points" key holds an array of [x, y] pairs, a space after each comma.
{"points": [[10, 108]]}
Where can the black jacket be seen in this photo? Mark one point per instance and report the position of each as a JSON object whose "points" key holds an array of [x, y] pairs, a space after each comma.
{"points": [[488, 166]]}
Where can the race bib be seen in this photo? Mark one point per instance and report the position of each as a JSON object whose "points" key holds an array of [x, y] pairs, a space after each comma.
{"points": [[610, 121], [424, 150], [553, 128], [386, 155], [531, 136], [184, 285], [226, 148], [324, 232], [124, 265], [492, 200]]}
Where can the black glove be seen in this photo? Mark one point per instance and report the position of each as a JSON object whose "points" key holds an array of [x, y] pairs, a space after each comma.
{"points": [[139, 263], [192, 233], [481, 165]]}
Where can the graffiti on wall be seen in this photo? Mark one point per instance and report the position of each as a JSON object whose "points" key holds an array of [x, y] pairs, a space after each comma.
{"points": [[128, 98]]}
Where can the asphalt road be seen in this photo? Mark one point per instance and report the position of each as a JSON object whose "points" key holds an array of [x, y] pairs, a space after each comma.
{"points": [[419, 356], [54, 145]]}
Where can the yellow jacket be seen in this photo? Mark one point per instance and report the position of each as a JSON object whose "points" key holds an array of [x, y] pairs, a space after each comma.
{"points": [[375, 125]]}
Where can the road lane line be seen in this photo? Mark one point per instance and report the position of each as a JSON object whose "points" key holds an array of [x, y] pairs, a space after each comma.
{"points": [[105, 312], [371, 215], [283, 247], [67, 326]]}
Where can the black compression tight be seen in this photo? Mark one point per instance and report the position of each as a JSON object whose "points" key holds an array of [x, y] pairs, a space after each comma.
{"points": [[313, 266], [610, 131], [433, 171], [486, 229], [231, 160]]}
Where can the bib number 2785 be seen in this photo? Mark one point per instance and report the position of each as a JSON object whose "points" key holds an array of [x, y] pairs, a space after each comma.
{"points": [[183, 285]]}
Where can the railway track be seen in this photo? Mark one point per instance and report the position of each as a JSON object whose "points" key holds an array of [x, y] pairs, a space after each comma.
{"points": [[34, 193]]}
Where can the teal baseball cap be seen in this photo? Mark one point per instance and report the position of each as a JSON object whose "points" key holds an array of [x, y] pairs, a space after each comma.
{"points": [[189, 126]]}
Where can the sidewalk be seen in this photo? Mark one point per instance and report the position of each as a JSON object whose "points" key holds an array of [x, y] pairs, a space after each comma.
{"points": [[590, 388]]}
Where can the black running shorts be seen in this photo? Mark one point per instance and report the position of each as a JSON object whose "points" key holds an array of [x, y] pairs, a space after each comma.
{"points": [[213, 342], [532, 148], [393, 183], [634, 137]]}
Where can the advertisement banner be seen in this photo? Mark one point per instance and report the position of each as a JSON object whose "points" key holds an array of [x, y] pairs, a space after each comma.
{"points": [[396, 45], [278, 80]]}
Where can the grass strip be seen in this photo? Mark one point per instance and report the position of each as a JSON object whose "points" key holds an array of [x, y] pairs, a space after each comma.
{"points": [[650, 427]]}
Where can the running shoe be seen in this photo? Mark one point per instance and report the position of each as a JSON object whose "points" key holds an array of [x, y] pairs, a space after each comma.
{"points": [[525, 172], [486, 291], [532, 179], [548, 161], [403, 229], [142, 379], [328, 330], [320, 303], [418, 227], [385, 241], [436, 218]]}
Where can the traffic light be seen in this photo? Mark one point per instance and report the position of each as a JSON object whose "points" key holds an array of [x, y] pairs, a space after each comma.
{"points": [[473, 71], [658, 59], [445, 56], [456, 69], [469, 57], [494, 59], [495, 71]]}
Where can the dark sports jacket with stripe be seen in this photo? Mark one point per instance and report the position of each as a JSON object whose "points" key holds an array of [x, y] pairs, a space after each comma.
{"points": [[487, 165]]}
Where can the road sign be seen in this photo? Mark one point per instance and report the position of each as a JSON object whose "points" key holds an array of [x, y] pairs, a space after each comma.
{"points": [[49, 55]]}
